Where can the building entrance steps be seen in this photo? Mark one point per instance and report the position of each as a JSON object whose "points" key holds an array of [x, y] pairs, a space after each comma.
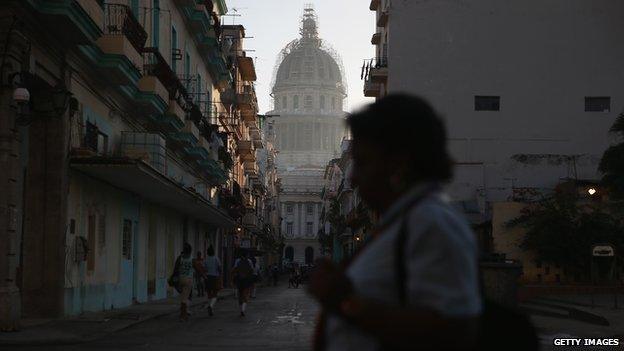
{"points": [[91, 326]]}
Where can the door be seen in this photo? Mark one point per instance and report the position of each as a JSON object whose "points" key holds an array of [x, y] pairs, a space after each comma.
{"points": [[129, 253]]}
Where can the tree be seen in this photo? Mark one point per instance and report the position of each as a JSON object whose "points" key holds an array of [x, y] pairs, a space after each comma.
{"points": [[560, 230], [612, 162]]}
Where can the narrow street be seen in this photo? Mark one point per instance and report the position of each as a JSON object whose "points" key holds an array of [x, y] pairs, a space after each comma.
{"points": [[278, 319]]}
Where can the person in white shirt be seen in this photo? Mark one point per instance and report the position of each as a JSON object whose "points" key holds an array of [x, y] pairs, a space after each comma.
{"points": [[414, 285]]}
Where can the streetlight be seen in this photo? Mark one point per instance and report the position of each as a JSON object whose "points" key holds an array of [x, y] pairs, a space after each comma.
{"points": [[592, 191]]}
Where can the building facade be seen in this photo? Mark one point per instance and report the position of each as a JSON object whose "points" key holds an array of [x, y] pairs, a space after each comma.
{"points": [[120, 148], [309, 92], [527, 102]]}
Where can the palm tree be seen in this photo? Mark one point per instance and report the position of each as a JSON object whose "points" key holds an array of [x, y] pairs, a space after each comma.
{"points": [[612, 162]]}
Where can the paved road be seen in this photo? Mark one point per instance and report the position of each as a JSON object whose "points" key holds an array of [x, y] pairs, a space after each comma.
{"points": [[278, 319]]}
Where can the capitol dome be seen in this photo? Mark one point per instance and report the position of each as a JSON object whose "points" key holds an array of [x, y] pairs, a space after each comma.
{"points": [[309, 62]]}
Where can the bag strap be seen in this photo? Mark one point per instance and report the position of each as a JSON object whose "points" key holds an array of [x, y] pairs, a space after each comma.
{"points": [[400, 243]]}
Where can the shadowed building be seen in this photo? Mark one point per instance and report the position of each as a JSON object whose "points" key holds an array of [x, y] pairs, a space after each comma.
{"points": [[309, 91]]}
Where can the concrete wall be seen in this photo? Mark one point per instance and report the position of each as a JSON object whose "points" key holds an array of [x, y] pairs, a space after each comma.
{"points": [[541, 58]]}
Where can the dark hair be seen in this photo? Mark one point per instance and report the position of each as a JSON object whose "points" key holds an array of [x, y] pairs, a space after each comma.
{"points": [[187, 249], [407, 126], [210, 251]]}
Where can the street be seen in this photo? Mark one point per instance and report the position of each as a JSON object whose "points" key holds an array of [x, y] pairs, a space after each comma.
{"points": [[278, 319]]}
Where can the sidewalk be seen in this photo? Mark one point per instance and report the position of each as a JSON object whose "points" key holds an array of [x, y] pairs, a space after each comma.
{"points": [[94, 325]]}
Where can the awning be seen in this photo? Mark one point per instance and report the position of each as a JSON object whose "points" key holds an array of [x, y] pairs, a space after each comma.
{"points": [[247, 69], [139, 178]]}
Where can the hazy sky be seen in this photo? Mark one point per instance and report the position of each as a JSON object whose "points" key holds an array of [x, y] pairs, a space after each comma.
{"points": [[347, 25]]}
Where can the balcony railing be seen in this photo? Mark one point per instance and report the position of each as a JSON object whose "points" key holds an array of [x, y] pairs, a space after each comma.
{"points": [[154, 64], [119, 20], [371, 65]]}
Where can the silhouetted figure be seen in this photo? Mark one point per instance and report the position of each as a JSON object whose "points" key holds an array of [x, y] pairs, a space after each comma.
{"points": [[243, 279], [415, 284]]}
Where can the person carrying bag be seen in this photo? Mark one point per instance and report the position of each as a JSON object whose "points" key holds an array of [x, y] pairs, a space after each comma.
{"points": [[415, 284]]}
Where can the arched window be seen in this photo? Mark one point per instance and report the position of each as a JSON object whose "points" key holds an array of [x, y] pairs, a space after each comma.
{"points": [[309, 255], [322, 102], [296, 102], [289, 253]]}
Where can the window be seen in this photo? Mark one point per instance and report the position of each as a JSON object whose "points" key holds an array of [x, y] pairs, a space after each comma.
{"points": [[308, 102], [322, 102], [310, 209], [487, 103], [95, 139], [289, 208], [547, 270], [598, 104], [91, 136], [333, 103], [538, 264], [296, 102], [174, 49], [155, 23], [126, 244], [284, 102], [289, 228], [309, 228]]}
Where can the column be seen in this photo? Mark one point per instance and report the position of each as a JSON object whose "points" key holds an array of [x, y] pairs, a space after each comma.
{"points": [[10, 304]]}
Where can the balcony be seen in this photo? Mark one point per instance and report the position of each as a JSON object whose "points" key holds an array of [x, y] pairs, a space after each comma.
{"points": [[246, 68], [152, 86], [148, 147], [214, 172], [372, 89], [246, 150], [200, 18], [77, 22], [251, 168], [154, 64], [173, 118], [200, 151], [141, 179], [376, 39], [376, 70], [228, 96], [121, 44], [247, 102], [251, 221], [188, 136], [119, 21], [382, 20]]}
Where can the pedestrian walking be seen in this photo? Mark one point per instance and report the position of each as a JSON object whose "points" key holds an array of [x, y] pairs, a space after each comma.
{"points": [[415, 284], [185, 270], [199, 274], [243, 279], [213, 269]]}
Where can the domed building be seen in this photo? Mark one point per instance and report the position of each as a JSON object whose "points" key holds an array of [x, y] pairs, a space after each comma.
{"points": [[309, 90]]}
